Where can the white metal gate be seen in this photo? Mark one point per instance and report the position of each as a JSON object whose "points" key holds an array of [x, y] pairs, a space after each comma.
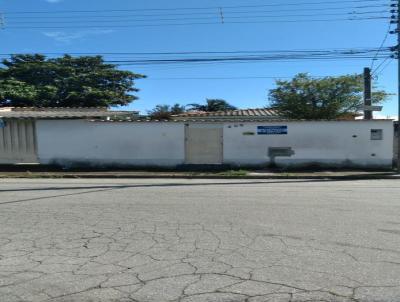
{"points": [[204, 144], [17, 142]]}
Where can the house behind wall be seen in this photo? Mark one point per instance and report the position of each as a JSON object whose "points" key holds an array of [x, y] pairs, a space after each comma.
{"points": [[367, 144]]}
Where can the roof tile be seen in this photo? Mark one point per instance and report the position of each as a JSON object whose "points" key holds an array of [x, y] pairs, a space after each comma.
{"points": [[259, 112], [61, 113]]}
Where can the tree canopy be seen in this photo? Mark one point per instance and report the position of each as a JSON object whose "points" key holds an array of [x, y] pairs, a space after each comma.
{"points": [[213, 105], [305, 97], [35, 80], [164, 112]]}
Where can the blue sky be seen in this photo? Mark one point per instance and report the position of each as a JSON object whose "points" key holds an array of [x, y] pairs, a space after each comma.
{"points": [[245, 93]]}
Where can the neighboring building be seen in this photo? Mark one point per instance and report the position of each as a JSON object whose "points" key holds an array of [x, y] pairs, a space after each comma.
{"points": [[100, 138], [242, 114], [18, 136], [62, 113], [246, 114]]}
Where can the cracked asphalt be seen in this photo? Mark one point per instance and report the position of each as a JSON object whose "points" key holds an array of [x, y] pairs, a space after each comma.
{"points": [[199, 240]]}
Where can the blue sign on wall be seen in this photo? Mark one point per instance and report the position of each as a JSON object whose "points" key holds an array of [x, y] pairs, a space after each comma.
{"points": [[2, 123], [272, 130]]}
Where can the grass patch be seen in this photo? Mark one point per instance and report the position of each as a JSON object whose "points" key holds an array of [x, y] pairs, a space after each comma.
{"points": [[234, 173]]}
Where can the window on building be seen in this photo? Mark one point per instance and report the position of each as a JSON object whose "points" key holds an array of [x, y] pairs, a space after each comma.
{"points": [[376, 134]]}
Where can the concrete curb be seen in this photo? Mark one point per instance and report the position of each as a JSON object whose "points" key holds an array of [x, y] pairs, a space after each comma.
{"points": [[188, 176]]}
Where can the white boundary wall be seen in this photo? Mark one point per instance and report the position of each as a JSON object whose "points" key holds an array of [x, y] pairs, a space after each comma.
{"points": [[336, 143], [76, 142]]}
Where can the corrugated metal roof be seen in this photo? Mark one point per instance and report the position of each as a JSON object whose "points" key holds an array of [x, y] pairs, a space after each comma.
{"points": [[242, 113], [61, 113]]}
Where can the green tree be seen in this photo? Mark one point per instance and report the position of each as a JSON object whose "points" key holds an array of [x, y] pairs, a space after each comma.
{"points": [[308, 98], [213, 105], [177, 109], [34, 80], [164, 112]]}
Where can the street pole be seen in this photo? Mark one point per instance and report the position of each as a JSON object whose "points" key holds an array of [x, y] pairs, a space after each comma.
{"points": [[398, 86], [396, 20], [397, 55], [367, 94]]}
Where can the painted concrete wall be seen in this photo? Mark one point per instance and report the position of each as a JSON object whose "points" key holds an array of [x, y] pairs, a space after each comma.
{"points": [[346, 144], [325, 143], [73, 142]]}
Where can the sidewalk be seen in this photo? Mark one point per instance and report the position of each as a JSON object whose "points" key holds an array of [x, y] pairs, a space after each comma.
{"points": [[241, 174]]}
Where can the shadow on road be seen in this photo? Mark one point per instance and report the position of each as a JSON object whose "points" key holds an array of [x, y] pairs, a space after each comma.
{"points": [[172, 185], [104, 188]]}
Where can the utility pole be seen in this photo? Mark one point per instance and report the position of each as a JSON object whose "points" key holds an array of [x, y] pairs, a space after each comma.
{"points": [[396, 20], [2, 22], [221, 13], [398, 84], [368, 115]]}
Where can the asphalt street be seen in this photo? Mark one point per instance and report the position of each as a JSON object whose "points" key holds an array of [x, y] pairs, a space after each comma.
{"points": [[199, 240]]}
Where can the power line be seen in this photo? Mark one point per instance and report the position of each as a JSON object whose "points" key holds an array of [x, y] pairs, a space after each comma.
{"points": [[224, 78], [196, 23], [353, 10], [381, 47], [249, 53], [217, 78], [279, 52], [194, 8], [235, 57], [191, 14], [226, 17], [384, 67], [239, 60], [375, 73], [322, 50]]}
